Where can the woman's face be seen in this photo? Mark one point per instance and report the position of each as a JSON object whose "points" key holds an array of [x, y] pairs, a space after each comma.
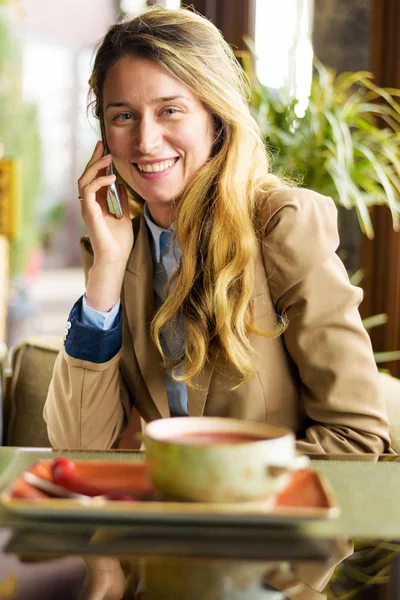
{"points": [[158, 132]]}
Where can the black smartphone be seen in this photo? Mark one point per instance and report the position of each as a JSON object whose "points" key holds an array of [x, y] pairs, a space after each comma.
{"points": [[113, 200]]}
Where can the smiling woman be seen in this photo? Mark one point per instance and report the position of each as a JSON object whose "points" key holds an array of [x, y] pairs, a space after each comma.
{"points": [[219, 291], [158, 132]]}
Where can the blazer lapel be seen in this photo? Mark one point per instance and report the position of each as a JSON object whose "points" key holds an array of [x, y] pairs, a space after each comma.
{"points": [[197, 396], [139, 304]]}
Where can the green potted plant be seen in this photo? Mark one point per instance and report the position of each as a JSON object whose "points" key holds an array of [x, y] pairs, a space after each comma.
{"points": [[345, 144]]}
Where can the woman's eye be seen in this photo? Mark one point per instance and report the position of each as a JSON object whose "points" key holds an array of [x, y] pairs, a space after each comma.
{"points": [[123, 117], [170, 111]]}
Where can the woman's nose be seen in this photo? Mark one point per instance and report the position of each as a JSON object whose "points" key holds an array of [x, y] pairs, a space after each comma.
{"points": [[148, 137]]}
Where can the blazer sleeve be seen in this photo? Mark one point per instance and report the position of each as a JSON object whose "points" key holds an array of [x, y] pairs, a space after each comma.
{"points": [[88, 403], [325, 338]]}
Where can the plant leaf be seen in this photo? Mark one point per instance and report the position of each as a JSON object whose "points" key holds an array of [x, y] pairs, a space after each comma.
{"points": [[381, 357], [375, 321]]}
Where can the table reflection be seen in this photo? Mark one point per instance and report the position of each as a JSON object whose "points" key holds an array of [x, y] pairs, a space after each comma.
{"points": [[196, 579], [169, 579], [309, 560], [190, 578], [217, 578], [370, 572]]}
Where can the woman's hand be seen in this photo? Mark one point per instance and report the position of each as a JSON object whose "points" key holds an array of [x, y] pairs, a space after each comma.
{"points": [[111, 238]]}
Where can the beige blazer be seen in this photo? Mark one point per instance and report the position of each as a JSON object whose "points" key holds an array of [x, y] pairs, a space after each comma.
{"points": [[319, 378]]}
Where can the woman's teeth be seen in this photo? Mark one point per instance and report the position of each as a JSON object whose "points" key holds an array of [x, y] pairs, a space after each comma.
{"points": [[156, 167]]}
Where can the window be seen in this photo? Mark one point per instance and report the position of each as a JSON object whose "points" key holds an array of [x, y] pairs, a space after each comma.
{"points": [[134, 7], [283, 46], [48, 80]]}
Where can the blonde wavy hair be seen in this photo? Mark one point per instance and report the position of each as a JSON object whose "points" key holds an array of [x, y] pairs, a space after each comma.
{"points": [[217, 215]]}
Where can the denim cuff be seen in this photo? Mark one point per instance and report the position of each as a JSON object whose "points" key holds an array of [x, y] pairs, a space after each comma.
{"points": [[89, 343]]}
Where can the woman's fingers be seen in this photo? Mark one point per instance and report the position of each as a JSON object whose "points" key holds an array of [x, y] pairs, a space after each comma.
{"points": [[97, 153], [95, 185], [94, 197], [92, 171]]}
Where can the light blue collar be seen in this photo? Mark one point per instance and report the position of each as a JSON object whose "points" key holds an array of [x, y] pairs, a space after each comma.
{"points": [[156, 232]]}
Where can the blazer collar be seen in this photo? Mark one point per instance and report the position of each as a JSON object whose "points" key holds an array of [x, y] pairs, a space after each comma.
{"points": [[139, 305], [140, 256]]}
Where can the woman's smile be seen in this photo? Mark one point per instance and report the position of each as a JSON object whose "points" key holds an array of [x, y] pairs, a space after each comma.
{"points": [[156, 170]]}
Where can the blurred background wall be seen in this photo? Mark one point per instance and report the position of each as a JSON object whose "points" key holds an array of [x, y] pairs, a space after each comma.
{"points": [[45, 53], [57, 46]]}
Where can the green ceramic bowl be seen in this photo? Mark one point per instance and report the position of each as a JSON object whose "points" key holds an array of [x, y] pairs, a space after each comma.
{"points": [[210, 459]]}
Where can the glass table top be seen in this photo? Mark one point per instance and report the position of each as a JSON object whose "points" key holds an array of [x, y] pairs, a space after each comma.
{"points": [[354, 556]]}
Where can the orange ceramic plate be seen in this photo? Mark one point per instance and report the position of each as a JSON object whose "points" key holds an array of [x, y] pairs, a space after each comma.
{"points": [[307, 496]]}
